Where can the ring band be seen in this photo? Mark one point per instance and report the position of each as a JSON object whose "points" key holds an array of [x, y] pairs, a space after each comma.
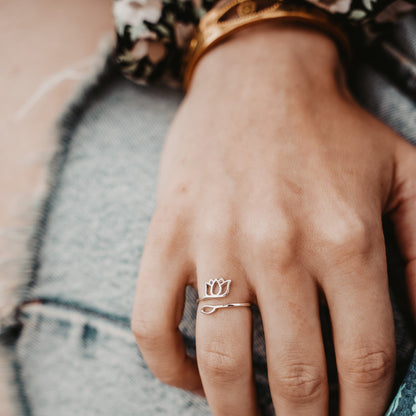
{"points": [[209, 309]]}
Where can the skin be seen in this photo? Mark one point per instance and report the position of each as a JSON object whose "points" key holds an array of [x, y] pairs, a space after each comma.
{"points": [[274, 177]]}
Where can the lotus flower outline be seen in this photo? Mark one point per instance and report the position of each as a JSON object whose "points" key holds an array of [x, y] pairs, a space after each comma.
{"points": [[217, 288]]}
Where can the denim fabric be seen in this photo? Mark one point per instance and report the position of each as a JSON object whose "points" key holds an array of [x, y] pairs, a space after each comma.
{"points": [[404, 404], [78, 363], [76, 354]]}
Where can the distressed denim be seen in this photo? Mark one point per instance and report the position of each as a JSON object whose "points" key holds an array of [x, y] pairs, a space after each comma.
{"points": [[76, 354]]}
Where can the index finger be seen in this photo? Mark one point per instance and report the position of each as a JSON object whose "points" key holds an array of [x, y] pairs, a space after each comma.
{"points": [[157, 312]]}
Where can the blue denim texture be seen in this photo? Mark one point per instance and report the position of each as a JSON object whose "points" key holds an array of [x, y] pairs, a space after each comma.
{"points": [[76, 353]]}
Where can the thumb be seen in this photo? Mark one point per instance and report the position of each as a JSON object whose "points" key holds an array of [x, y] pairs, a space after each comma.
{"points": [[402, 210]]}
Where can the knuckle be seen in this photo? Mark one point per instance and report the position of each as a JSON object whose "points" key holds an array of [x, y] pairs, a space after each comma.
{"points": [[274, 244], [299, 382], [162, 219], [367, 367], [170, 376], [146, 333], [167, 231], [213, 229], [218, 225], [220, 367], [149, 339], [349, 236]]}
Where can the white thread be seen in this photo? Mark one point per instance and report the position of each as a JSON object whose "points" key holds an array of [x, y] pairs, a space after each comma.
{"points": [[76, 72]]}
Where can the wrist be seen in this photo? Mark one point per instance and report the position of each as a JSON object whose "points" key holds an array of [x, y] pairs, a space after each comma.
{"points": [[269, 55]]}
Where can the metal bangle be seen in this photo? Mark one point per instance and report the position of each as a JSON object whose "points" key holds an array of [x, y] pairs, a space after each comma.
{"points": [[211, 29]]}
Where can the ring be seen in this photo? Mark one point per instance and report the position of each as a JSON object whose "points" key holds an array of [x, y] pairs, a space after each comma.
{"points": [[209, 309], [216, 288]]}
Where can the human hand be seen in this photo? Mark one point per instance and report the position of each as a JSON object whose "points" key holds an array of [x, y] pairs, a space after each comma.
{"points": [[272, 176]]}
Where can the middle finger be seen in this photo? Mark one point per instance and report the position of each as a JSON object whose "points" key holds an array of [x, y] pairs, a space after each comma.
{"points": [[223, 340]]}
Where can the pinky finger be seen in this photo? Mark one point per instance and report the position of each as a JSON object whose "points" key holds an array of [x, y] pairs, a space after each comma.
{"points": [[402, 211]]}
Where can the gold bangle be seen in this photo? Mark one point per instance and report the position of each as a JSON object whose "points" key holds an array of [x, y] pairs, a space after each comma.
{"points": [[214, 26]]}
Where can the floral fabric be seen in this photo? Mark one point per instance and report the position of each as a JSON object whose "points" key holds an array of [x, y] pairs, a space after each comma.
{"points": [[152, 35]]}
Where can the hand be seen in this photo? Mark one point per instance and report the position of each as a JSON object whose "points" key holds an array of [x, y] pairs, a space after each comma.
{"points": [[272, 176]]}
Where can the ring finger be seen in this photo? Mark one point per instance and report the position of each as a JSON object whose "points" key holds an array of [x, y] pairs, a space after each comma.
{"points": [[295, 352]]}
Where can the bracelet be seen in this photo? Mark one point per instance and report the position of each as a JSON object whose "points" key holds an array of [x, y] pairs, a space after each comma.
{"points": [[217, 24]]}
